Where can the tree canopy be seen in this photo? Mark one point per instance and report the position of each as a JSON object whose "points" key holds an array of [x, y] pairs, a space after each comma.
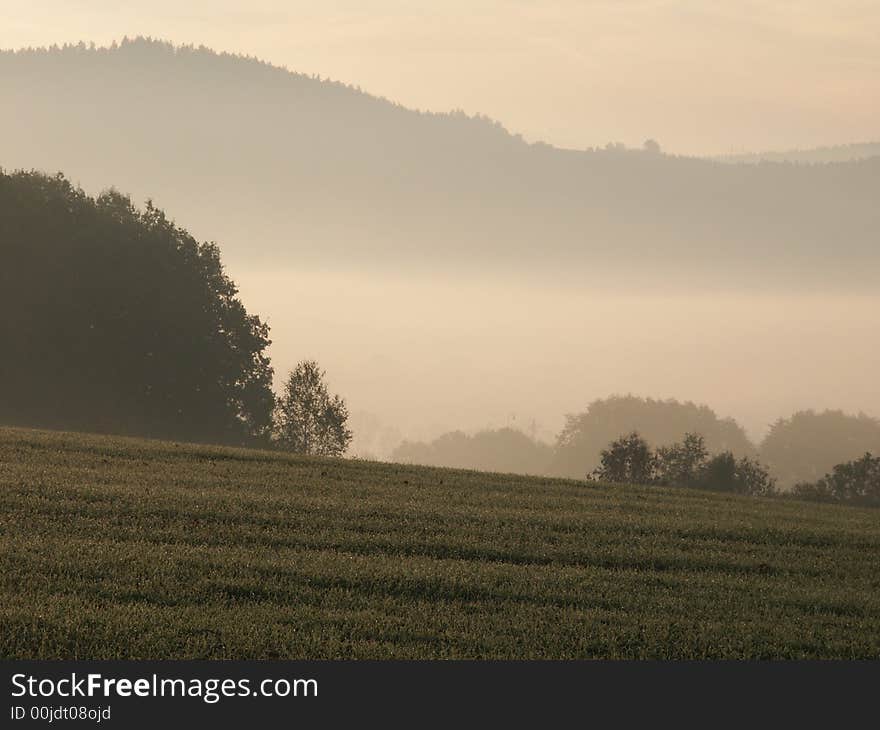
{"points": [[807, 445], [854, 482], [309, 420], [117, 320], [630, 460], [659, 422]]}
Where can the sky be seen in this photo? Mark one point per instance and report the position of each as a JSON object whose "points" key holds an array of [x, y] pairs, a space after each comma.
{"points": [[700, 76]]}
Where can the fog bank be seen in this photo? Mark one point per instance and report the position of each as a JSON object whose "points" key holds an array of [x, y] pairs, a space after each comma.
{"points": [[427, 355]]}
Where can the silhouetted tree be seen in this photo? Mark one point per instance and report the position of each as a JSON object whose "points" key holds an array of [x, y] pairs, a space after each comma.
{"points": [[659, 422], [117, 320], [854, 482], [807, 445], [681, 464], [627, 460], [725, 473], [309, 420]]}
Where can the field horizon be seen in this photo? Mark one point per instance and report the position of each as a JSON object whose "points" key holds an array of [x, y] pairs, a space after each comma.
{"points": [[117, 547]]}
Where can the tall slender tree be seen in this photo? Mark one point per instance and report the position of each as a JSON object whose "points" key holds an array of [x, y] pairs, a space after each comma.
{"points": [[309, 420]]}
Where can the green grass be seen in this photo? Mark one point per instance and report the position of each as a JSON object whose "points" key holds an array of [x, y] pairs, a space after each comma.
{"points": [[123, 548]]}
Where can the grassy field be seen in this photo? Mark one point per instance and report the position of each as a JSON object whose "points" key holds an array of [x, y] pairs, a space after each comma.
{"points": [[122, 548]]}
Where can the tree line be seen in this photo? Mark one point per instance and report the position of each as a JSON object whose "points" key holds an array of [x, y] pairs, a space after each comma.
{"points": [[675, 443], [635, 215], [630, 460]]}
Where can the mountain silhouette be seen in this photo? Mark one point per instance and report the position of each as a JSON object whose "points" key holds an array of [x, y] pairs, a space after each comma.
{"points": [[286, 169]]}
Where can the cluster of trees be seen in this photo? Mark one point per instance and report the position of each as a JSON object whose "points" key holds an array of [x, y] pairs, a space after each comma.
{"points": [[579, 445], [117, 320], [797, 450], [631, 460], [798, 445], [807, 445], [853, 482]]}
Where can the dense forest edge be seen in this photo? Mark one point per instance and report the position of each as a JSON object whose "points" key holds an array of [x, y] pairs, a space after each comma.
{"points": [[263, 157]]}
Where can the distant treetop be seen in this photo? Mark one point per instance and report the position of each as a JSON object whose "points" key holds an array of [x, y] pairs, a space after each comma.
{"points": [[658, 422]]}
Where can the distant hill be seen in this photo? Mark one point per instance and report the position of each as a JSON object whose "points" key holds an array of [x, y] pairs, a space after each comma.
{"points": [[817, 155], [286, 169]]}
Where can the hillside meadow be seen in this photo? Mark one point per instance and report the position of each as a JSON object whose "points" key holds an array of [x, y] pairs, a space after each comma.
{"points": [[126, 548]]}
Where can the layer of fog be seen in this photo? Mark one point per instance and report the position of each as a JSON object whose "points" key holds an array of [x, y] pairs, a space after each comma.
{"points": [[416, 357]]}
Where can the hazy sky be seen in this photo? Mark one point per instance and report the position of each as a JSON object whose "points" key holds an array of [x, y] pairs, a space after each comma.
{"points": [[701, 76]]}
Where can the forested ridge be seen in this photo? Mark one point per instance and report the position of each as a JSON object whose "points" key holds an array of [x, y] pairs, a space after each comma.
{"points": [[292, 169]]}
